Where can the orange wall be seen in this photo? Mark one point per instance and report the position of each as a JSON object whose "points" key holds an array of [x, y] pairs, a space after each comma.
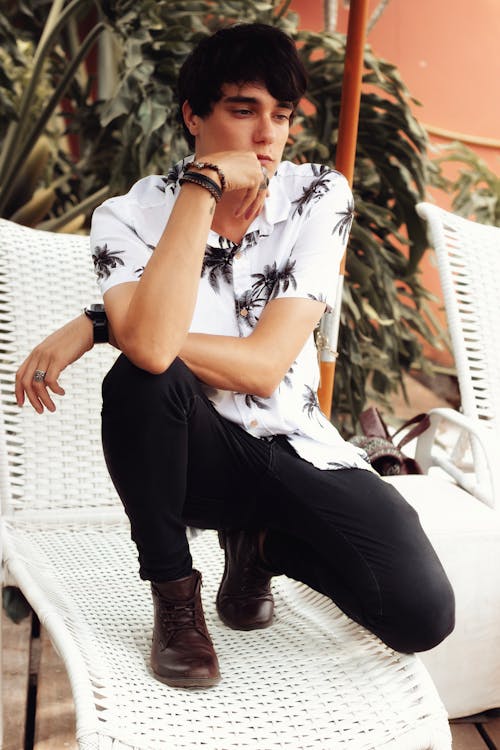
{"points": [[448, 55]]}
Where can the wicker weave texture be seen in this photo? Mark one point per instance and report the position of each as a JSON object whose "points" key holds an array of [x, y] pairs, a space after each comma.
{"points": [[314, 680], [468, 256], [45, 279]]}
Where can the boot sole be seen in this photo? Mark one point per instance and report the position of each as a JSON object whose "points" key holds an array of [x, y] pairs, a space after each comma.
{"points": [[187, 682], [246, 628]]}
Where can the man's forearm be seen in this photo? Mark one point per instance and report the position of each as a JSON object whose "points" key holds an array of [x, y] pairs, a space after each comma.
{"points": [[228, 362], [257, 363], [150, 319]]}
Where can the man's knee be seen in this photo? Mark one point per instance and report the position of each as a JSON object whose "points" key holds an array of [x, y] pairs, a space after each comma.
{"points": [[126, 383], [426, 617], [420, 607]]}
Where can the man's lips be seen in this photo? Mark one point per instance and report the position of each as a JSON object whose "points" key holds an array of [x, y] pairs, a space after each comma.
{"points": [[267, 163]]}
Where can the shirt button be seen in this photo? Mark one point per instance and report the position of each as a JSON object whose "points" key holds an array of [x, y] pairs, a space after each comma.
{"points": [[238, 255], [253, 423], [243, 312]]}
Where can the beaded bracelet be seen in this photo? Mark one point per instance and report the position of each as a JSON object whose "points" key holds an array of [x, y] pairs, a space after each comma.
{"points": [[203, 181], [214, 167]]}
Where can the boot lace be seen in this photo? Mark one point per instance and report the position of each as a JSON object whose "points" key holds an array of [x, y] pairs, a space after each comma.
{"points": [[181, 615], [253, 582]]}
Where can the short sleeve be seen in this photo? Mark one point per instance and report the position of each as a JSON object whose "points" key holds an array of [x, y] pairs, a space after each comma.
{"points": [[123, 236], [324, 211]]}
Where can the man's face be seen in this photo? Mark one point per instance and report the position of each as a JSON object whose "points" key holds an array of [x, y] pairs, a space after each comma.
{"points": [[246, 118]]}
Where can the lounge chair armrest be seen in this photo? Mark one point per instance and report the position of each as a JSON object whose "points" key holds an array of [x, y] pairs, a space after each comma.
{"points": [[484, 482]]}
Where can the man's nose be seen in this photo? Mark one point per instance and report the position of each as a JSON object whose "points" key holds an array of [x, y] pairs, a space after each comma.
{"points": [[264, 132]]}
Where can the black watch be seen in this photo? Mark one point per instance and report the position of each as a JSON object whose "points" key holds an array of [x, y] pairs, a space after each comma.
{"points": [[99, 320]]}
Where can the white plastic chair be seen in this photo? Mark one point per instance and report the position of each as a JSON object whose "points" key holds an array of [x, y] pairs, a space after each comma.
{"points": [[313, 680], [464, 526]]}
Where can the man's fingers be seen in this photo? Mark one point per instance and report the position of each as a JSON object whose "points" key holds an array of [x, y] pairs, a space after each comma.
{"points": [[52, 382], [251, 204], [255, 206], [33, 379], [19, 390], [248, 199], [255, 194], [52, 372], [34, 385], [47, 401], [39, 398], [20, 380], [34, 400], [55, 387], [24, 385]]}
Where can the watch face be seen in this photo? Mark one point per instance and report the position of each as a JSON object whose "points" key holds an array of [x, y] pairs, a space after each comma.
{"points": [[96, 308]]}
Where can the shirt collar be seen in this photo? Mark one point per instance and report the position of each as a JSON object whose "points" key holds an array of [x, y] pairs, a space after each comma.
{"points": [[277, 205]]}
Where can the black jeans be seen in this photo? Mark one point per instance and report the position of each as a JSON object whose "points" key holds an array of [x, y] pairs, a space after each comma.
{"points": [[175, 462]]}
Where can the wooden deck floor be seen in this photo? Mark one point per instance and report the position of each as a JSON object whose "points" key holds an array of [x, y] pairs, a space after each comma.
{"points": [[39, 710]]}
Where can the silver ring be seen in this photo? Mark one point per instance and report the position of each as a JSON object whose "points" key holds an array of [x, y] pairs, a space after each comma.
{"points": [[265, 179], [39, 376]]}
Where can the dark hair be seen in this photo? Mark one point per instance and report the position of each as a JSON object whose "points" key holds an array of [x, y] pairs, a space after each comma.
{"points": [[243, 53]]}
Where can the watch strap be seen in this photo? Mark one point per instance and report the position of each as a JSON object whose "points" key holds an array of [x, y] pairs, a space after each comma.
{"points": [[97, 315]]}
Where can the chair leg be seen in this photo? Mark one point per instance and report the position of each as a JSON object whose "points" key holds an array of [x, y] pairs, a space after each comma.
{"points": [[34, 668]]}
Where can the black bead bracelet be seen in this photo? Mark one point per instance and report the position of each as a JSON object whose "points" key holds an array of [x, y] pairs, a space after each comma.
{"points": [[203, 181], [214, 168]]}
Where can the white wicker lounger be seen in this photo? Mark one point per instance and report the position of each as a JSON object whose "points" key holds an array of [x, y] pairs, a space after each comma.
{"points": [[468, 258], [313, 680]]}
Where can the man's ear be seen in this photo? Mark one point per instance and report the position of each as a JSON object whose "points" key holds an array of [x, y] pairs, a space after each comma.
{"points": [[191, 120]]}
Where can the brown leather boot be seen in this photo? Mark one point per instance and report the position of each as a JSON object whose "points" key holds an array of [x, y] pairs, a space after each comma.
{"points": [[244, 600], [182, 654]]}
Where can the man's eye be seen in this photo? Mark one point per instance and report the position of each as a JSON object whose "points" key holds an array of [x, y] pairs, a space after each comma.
{"points": [[243, 111]]}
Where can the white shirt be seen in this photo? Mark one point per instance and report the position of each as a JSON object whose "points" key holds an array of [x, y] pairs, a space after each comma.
{"points": [[292, 249]]}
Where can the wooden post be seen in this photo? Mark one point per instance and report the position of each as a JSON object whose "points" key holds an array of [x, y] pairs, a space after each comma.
{"points": [[346, 156]]}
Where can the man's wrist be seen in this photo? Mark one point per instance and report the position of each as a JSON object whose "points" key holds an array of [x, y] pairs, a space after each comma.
{"points": [[97, 315], [208, 166]]}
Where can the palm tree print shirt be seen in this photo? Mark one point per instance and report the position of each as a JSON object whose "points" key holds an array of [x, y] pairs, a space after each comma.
{"points": [[292, 249]]}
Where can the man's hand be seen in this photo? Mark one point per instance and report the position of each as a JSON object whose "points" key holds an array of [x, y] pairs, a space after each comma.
{"points": [[52, 356], [243, 172]]}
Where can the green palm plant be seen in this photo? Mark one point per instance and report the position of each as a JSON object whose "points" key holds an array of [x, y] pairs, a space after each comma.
{"points": [[475, 190], [136, 131], [36, 72]]}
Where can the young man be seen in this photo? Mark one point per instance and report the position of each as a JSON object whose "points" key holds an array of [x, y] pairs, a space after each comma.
{"points": [[214, 278]]}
